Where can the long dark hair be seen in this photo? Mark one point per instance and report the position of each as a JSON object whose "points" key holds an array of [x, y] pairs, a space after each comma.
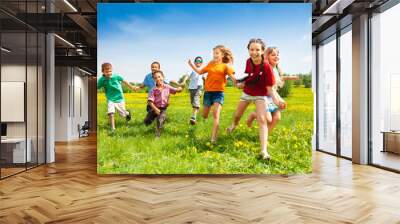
{"points": [[257, 41]]}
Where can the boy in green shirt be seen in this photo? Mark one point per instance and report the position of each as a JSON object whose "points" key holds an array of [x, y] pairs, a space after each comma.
{"points": [[113, 89]]}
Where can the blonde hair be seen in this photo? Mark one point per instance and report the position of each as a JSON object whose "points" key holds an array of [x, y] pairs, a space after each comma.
{"points": [[280, 72], [226, 52], [269, 51]]}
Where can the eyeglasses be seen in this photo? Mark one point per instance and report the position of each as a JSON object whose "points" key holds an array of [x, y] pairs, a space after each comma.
{"points": [[198, 61]]}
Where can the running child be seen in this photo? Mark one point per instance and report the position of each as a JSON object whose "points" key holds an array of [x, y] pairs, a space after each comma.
{"points": [[195, 87], [111, 83], [217, 70], [257, 86], [158, 101], [272, 56]]}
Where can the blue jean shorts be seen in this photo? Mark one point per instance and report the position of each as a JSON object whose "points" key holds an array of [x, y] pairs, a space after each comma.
{"points": [[271, 106], [213, 97]]}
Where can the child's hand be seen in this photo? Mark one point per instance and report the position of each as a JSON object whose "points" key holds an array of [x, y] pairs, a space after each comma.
{"points": [[240, 85], [157, 111], [179, 89], [190, 62], [182, 85], [282, 105]]}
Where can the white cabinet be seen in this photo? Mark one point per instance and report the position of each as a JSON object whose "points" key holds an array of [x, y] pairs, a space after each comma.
{"points": [[17, 146]]}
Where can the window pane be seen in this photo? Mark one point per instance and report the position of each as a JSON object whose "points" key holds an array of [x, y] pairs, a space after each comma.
{"points": [[346, 93], [31, 97], [327, 97], [14, 153], [385, 84]]}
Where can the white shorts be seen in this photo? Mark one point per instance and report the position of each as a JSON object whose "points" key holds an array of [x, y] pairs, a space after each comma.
{"points": [[120, 107], [247, 97]]}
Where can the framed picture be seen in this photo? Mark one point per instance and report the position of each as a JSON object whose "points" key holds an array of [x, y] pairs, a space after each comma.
{"points": [[204, 88]]}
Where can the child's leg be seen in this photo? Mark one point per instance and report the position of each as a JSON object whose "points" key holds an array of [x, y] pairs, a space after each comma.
{"points": [[206, 111], [112, 121], [195, 101], [263, 128], [216, 112], [149, 118], [207, 103], [123, 111], [195, 111], [111, 112], [276, 117], [268, 116], [241, 107], [120, 107], [251, 118], [161, 119]]}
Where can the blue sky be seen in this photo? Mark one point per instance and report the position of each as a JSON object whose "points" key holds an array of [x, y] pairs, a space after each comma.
{"points": [[132, 35]]}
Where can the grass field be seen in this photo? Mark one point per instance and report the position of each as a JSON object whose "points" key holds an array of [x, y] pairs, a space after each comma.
{"points": [[186, 149]]}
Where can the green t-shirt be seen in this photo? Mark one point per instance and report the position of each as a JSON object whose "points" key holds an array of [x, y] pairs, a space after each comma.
{"points": [[112, 87]]}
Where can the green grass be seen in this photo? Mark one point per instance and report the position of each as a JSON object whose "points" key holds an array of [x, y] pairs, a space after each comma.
{"points": [[185, 149]]}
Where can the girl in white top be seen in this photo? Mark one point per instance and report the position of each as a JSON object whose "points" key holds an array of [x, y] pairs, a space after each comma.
{"points": [[195, 87]]}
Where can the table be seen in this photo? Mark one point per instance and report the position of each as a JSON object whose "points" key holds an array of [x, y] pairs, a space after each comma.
{"points": [[391, 141], [13, 150]]}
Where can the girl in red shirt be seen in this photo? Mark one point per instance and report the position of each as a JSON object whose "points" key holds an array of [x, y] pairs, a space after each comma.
{"points": [[257, 86]]}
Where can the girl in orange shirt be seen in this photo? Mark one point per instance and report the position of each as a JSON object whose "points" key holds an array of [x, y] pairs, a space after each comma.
{"points": [[217, 70]]}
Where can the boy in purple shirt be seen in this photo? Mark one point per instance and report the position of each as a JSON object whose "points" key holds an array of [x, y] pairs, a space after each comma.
{"points": [[158, 101]]}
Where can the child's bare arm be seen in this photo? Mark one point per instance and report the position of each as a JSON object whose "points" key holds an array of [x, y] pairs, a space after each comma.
{"points": [[141, 86], [291, 77], [153, 107], [198, 71], [240, 85], [177, 83], [134, 88], [179, 89], [185, 78], [233, 79], [276, 98]]}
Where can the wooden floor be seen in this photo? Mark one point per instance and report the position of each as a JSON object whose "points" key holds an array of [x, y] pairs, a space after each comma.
{"points": [[387, 159], [70, 191]]}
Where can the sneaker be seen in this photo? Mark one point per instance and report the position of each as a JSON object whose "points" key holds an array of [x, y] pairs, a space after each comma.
{"points": [[265, 156], [128, 117], [230, 129], [192, 120]]}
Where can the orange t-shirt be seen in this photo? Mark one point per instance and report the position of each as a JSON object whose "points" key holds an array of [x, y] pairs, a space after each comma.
{"points": [[216, 76]]}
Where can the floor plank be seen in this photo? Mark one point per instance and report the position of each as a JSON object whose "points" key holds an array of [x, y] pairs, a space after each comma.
{"points": [[70, 191]]}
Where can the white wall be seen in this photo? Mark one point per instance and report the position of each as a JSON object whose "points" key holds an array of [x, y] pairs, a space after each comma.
{"points": [[61, 103], [34, 125], [14, 72], [71, 87]]}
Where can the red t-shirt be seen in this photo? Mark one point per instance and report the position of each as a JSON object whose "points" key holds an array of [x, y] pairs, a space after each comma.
{"points": [[256, 84]]}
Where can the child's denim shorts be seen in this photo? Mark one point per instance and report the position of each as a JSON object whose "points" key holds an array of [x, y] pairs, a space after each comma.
{"points": [[271, 106], [213, 97]]}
